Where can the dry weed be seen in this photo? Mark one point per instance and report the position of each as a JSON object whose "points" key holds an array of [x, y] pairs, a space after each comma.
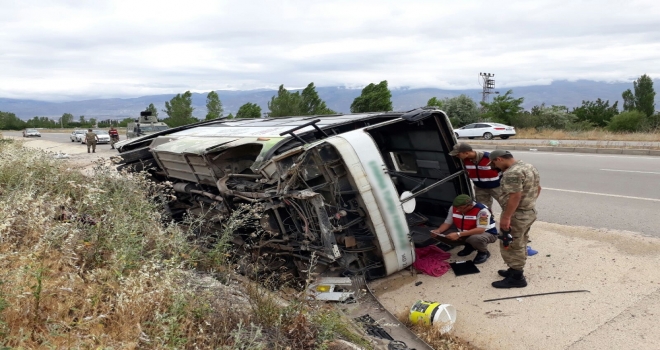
{"points": [[596, 135], [432, 336], [91, 262]]}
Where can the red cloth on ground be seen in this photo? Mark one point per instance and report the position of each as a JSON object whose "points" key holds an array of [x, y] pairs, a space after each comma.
{"points": [[431, 261]]}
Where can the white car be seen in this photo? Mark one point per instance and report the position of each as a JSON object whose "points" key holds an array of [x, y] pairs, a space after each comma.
{"points": [[103, 136], [77, 135], [486, 130], [31, 133]]}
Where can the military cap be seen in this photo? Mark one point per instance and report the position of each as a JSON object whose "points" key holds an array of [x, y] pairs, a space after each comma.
{"points": [[462, 199]]}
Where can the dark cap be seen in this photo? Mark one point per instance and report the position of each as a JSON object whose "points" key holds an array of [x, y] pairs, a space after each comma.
{"points": [[462, 199], [460, 147], [498, 153]]}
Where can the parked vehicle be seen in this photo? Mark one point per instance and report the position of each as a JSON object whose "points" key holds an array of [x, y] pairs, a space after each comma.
{"points": [[145, 125], [77, 135], [354, 193], [486, 130], [103, 136], [31, 133]]}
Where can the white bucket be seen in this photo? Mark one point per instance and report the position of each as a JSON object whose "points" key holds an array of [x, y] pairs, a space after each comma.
{"points": [[442, 316]]}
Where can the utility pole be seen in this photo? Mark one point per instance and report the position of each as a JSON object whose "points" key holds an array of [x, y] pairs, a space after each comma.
{"points": [[487, 85]]}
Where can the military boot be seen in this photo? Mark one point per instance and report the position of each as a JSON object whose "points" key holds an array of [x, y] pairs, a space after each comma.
{"points": [[505, 273], [467, 250], [514, 280], [481, 257]]}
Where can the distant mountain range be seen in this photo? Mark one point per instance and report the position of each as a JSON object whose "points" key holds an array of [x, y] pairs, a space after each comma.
{"points": [[567, 93]]}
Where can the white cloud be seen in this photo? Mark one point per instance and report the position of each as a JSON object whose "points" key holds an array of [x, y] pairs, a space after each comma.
{"points": [[53, 49]]}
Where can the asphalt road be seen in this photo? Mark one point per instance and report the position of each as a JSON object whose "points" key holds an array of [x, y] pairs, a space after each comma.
{"points": [[602, 191], [48, 136]]}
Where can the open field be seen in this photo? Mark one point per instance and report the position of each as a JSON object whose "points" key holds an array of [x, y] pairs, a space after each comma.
{"points": [[597, 135]]}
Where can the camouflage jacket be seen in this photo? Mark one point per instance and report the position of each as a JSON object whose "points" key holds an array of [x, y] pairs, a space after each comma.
{"points": [[524, 178], [90, 137]]}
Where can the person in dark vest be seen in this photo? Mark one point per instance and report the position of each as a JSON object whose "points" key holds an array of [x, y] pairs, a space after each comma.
{"points": [[485, 179], [114, 137], [468, 223]]}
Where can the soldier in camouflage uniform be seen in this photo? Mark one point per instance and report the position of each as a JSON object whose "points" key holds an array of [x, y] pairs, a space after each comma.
{"points": [[91, 139], [521, 185]]}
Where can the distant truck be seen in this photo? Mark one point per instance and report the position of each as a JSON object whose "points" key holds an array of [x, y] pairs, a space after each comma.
{"points": [[147, 124]]}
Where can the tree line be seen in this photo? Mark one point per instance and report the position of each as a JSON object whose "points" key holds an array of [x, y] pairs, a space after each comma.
{"points": [[638, 113]]}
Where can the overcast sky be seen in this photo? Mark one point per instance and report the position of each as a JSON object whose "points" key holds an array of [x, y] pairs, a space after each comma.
{"points": [[55, 49]]}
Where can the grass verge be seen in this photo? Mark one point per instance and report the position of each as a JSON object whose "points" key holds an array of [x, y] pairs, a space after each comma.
{"points": [[596, 135], [92, 262]]}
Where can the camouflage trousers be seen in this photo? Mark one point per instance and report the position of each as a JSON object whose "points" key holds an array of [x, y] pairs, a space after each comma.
{"points": [[485, 196], [91, 145], [521, 222]]}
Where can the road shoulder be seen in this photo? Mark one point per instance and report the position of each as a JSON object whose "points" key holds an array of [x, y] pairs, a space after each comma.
{"points": [[618, 268]]}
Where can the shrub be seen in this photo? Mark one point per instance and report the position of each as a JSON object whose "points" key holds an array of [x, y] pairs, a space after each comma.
{"points": [[628, 122]]}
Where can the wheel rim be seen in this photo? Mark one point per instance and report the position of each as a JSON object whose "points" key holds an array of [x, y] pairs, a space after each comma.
{"points": [[488, 136]]}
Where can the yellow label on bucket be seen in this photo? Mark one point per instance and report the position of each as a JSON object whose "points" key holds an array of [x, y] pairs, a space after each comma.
{"points": [[422, 312]]}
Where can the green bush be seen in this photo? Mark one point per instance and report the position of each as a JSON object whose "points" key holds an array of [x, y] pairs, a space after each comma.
{"points": [[628, 122], [524, 120]]}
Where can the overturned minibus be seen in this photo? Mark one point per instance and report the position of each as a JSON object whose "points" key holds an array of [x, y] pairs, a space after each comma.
{"points": [[356, 193]]}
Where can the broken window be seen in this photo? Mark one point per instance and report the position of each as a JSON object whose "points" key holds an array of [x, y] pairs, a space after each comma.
{"points": [[404, 162]]}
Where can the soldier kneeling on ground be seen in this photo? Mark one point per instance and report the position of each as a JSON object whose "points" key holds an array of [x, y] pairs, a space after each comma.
{"points": [[470, 224]]}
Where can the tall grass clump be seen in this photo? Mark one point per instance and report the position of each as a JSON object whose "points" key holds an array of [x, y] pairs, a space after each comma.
{"points": [[93, 262]]}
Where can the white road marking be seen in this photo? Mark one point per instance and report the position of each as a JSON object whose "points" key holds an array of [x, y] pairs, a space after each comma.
{"points": [[601, 194], [632, 171]]}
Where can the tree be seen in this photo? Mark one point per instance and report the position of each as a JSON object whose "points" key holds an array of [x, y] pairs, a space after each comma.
{"points": [[92, 121], [154, 111], [9, 121], [179, 110], [312, 103], [374, 98], [66, 119], [504, 108], [554, 117], [230, 116], [82, 120], [285, 103], [434, 102], [462, 110], [643, 98], [597, 112], [213, 106], [644, 95], [249, 110], [124, 122], [628, 101]]}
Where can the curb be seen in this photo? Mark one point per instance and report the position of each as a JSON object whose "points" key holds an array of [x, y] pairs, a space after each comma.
{"points": [[628, 151]]}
